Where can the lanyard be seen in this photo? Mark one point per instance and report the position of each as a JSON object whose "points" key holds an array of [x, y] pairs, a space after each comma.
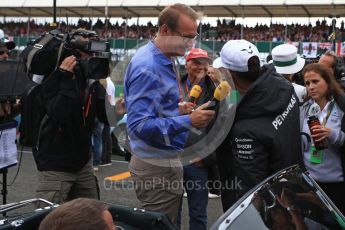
{"points": [[329, 110], [178, 79]]}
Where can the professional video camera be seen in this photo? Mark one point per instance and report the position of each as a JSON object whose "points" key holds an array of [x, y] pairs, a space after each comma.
{"points": [[46, 53]]}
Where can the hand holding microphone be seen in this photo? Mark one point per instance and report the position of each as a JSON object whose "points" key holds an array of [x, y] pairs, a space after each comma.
{"points": [[188, 107], [201, 117]]}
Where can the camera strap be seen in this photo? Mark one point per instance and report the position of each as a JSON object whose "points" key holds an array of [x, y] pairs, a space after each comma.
{"points": [[38, 46], [87, 99], [59, 55]]}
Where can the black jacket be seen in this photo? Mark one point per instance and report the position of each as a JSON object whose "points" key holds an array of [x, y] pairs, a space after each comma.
{"points": [[265, 134], [65, 132]]}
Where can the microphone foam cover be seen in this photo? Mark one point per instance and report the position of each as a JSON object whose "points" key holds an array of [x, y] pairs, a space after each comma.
{"points": [[195, 91], [222, 90]]}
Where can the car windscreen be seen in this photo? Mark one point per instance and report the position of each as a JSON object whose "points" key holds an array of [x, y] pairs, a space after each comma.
{"points": [[291, 200]]}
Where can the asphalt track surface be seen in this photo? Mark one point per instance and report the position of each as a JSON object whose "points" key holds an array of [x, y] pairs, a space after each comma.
{"points": [[112, 192]]}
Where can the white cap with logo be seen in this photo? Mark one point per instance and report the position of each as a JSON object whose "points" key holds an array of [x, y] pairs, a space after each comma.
{"points": [[236, 53], [217, 63]]}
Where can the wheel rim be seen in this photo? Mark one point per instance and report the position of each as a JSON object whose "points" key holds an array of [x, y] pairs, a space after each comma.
{"points": [[121, 140]]}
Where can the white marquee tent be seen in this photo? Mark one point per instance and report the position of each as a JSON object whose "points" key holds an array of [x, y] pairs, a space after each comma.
{"points": [[151, 8]]}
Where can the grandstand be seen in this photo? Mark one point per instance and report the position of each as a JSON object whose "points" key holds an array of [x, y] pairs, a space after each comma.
{"points": [[131, 36], [123, 36], [151, 8]]}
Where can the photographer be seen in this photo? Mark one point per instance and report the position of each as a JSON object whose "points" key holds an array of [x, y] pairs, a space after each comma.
{"points": [[8, 109], [5, 46], [62, 152]]}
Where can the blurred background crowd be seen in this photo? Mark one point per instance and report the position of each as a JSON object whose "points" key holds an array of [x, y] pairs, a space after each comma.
{"points": [[224, 30]]}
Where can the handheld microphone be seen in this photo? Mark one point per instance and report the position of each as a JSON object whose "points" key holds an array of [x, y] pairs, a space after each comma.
{"points": [[187, 107], [220, 93], [194, 93], [222, 90]]}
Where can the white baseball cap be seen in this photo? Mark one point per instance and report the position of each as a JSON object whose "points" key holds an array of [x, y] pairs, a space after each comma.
{"points": [[217, 63], [9, 44], [236, 53], [286, 60]]}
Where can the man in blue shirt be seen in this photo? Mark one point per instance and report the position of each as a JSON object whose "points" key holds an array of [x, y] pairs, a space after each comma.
{"points": [[156, 127]]}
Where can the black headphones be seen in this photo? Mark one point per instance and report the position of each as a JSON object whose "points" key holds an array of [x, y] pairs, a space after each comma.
{"points": [[339, 69], [338, 66]]}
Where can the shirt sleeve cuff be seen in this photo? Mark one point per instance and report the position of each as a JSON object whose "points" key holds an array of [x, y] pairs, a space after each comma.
{"points": [[183, 122], [337, 137]]}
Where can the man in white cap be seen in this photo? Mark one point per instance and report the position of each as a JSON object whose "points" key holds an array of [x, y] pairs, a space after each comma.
{"points": [[265, 134], [5, 46], [287, 63]]}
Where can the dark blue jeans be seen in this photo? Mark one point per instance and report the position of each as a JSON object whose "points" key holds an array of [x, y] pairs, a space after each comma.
{"points": [[97, 142], [195, 184]]}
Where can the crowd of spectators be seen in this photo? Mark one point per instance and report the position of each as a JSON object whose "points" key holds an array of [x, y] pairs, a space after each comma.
{"points": [[228, 30], [224, 31]]}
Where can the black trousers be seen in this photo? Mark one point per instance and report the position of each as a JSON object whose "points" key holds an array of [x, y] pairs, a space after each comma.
{"points": [[335, 191]]}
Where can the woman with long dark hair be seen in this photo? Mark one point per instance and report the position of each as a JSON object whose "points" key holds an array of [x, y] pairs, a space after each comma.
{"points": [[322, 142]]}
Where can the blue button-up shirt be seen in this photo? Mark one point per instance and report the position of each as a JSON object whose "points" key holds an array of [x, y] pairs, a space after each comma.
{"points": [[155, 128]]}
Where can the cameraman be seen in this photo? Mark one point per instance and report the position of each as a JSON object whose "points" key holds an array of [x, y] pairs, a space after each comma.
{"points": [[330, 60], [63, 153]]}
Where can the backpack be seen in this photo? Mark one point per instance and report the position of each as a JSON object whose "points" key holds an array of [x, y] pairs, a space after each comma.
{"points": [[32, 114], [41, 57]]}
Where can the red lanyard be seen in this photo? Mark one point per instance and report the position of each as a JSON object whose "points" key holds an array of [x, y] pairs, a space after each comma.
{"points": [[88, 104], [180, 90], [178, 79]]}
